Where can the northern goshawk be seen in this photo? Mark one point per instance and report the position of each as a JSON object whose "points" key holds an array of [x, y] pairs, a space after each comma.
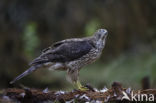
{"points": [[70, 55]]}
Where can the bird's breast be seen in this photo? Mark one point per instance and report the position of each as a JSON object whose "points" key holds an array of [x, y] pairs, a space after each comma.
{"points": [[84, 60]]}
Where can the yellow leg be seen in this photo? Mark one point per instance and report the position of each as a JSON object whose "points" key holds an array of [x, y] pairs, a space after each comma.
{"points": [[80, 87]]}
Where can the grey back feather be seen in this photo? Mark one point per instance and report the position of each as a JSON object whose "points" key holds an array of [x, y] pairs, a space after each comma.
{"points": [[64, 52]]}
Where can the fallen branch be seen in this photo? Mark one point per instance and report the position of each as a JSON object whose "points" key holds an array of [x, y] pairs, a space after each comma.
{"points": [[114, 94]]}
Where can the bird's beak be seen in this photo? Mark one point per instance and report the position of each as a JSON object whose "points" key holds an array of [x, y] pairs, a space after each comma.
{"points": [[104, 31], [105, 35]]}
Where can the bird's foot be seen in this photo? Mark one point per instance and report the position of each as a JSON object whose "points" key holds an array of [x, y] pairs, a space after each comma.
{"points": [[80, 87], [83, 88]]}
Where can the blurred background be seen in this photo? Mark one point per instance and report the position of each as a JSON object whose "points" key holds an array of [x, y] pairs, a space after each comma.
{"points": [[28, 26]]}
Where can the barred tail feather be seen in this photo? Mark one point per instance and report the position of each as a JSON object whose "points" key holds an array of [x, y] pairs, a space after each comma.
{"points": [[30, 70]]}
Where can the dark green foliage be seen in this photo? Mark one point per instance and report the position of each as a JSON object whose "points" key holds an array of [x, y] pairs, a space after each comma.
{"points": [[28, 26]]}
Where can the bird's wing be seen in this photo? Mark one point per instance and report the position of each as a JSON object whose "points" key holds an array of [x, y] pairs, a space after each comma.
{"points": [[56, 44], [65, 52]]}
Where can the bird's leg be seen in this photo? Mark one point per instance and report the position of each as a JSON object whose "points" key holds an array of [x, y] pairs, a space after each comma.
{"points": [[73, 78], [80, 87]]}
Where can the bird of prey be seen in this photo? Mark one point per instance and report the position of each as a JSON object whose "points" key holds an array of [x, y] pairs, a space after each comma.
{"points": [[70, 55]]}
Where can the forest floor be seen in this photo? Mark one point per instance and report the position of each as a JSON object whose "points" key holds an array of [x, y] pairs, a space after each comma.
{"points": [[114, 94]]}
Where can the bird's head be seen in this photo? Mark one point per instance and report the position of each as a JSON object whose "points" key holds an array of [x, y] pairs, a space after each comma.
{"points": [[100, 37]]}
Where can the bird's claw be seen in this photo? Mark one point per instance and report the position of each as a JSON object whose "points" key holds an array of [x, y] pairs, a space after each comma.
{"points": [[80, 87], [83, 88]]}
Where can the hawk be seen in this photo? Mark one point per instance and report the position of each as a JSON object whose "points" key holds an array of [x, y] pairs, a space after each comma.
{"points": [[70, 55]]}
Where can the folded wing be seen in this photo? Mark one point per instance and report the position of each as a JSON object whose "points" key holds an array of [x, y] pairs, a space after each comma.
{"points": [[64, 52]]}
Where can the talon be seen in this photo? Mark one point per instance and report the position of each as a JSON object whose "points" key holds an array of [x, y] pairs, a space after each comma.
{"points": [[80, 87], [83, 88]]}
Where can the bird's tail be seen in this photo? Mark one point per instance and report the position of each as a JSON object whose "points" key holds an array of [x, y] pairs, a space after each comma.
{"points": [[28, 71]]}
